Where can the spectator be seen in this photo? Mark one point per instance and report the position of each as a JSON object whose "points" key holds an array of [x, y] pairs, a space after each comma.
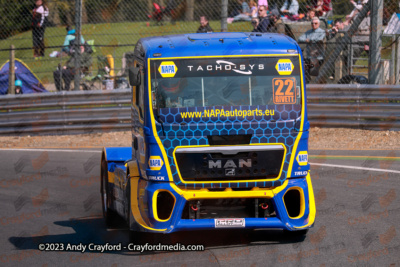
{"points": [[338, 30], [254, 9], [338, 25], [204, 26], [309, 16], [244, 15], [328, 8], [290, 8], [275, 23], [39, 21], [263, 3], [68, 71], [68, 38], [357, 8], [360, 40], [235, 6], [322, 8], [263, 20], [314, 39], [18, 87]]}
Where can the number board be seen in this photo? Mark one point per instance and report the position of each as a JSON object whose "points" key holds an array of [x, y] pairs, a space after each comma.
{"points": [[284, 90]]}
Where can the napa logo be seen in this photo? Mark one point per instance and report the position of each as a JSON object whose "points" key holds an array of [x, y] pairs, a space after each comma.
{"points": [[167, 69], [302, 158], [284, 67], [155, 163]]}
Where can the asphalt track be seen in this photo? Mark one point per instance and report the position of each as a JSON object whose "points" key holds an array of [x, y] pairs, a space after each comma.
{"points": [[52, 196]]}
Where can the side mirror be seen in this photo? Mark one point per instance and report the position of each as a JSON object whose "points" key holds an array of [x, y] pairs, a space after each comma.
{"points": [[134, 76]]}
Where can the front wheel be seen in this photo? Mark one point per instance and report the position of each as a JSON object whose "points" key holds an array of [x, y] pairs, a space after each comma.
{"points": [[108, 214]]}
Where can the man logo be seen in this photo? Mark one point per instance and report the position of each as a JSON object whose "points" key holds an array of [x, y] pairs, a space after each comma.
{"points": [[167, 69], [230, 172], [229, 164], [284, 67]]}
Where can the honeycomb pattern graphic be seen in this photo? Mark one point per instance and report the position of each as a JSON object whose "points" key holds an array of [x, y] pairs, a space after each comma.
{"points": [[178, 131]]}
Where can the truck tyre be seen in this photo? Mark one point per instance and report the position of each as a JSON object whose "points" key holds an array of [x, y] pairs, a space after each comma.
{"points": [[135, 237], [108, 214]]}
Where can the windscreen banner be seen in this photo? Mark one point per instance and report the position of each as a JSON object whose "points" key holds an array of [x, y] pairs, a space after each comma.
{"points": [[212, 89]]}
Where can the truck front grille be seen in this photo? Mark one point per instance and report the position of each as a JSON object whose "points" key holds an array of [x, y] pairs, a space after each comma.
{"points": [[229, 163]]}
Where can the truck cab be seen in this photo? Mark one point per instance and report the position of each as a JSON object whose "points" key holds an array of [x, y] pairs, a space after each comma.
{"points": [[219, 136]]}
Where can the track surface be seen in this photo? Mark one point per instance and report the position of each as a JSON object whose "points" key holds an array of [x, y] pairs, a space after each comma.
{"points": [[52, 196]]}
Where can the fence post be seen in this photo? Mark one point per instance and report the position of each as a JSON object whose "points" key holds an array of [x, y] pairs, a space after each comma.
{"points": [[339, 68], [392, 79], [374, 68], [78, 20], [189, 16], [397, 62], [11, 75], [224, 15]]}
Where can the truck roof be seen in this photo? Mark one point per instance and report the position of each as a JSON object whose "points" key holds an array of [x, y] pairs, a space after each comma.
{"points": [[214, 44]]}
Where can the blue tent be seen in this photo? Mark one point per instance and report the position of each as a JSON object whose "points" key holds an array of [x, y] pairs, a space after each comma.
{"points": [[30, 83]]}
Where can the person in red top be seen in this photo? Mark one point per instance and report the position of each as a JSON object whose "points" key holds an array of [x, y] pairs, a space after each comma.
{"points": [[39, 21], [322, 8]]}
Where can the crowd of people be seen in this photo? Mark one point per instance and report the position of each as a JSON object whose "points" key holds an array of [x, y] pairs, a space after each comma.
{"points": [[273, 18], [290, 9], [263, 18]]}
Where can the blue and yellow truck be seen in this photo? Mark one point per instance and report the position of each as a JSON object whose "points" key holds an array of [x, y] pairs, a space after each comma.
{"points": [[219, 137]]}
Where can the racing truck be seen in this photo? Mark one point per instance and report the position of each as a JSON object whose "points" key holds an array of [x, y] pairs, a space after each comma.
{"points": [[219, 137]]}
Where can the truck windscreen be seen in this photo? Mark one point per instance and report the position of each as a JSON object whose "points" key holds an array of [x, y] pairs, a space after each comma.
{"points": [[225, 81]]}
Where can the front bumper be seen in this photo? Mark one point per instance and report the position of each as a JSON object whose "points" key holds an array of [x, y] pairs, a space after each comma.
{"points": [[282, 220]]}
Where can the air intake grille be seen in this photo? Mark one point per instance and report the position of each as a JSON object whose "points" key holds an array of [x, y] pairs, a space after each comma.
{"points": [[225, 163]]}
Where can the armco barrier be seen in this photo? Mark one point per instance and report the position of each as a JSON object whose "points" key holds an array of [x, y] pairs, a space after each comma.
{"points": [[65, 112], [374, 107], [356, 106]]}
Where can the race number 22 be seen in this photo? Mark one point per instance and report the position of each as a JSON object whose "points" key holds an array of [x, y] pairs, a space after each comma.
{"points": [[284, 90]]}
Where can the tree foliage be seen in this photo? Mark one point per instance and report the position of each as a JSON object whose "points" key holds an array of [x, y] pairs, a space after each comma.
{"points": [[15, 16]]}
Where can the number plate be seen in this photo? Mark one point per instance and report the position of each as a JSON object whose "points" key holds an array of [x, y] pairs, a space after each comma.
{"points": [[230, 223]]}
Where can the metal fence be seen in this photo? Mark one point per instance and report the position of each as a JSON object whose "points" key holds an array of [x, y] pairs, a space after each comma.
{"points": [[364, 107], [112, 27]]}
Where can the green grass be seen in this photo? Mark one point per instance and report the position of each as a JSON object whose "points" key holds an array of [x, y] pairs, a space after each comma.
{"points": [[114, 34]]}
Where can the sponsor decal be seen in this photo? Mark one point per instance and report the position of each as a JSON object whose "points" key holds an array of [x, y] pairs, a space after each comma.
{"points": [[167, 69], [155, 163], [229, 223], [302, 158], [219, 113], [303, 173], [284, 90], [224, 65], [284, 67], [157, 178]]}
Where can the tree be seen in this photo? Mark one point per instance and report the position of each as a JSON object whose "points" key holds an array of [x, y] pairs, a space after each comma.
{"points": [[15, 17]]}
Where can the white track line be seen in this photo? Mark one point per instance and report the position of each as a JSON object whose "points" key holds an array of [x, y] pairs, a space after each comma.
{"points": [[354, 167], [49, 150]]}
